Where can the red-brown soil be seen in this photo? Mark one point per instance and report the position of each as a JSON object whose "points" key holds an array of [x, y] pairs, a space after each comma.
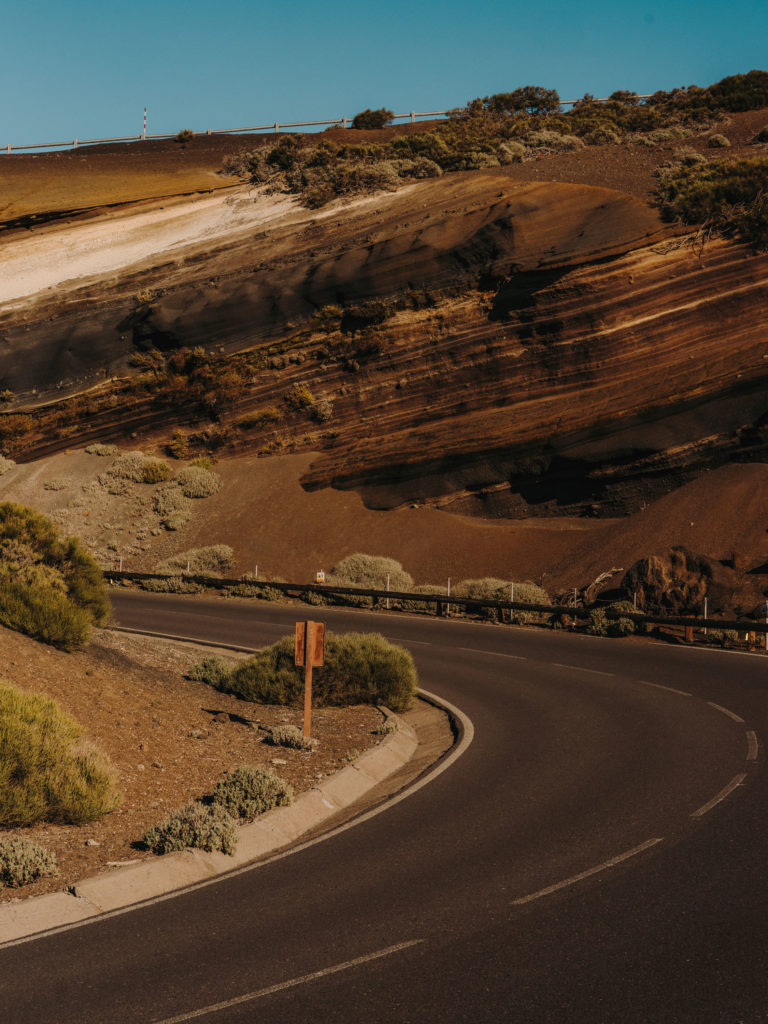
{"points": [[170, 739], [578, 360]]}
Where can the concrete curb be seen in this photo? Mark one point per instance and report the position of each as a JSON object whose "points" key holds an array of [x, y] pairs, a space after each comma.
{"points": [[271, 833]]}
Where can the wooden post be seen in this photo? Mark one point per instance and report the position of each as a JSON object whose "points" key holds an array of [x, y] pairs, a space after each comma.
{"points": [[689, 634], [309, 651]]}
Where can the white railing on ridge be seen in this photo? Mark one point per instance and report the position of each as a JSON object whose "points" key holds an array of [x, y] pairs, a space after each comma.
{"points": [[341, 122]]}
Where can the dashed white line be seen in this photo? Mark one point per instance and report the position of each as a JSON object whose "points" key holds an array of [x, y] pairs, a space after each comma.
{"points": [[733, 784], [587, 874], [725, 711], [496, 654], [752, 745], [669, 689], [580, 668], [292, 983]]}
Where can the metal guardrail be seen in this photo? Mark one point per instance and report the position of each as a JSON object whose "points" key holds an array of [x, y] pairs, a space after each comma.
{"points": [[443, 600], [276, 126]]}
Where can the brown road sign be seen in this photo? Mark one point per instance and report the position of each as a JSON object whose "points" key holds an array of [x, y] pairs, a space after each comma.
{"points": [[314, 632], [310, 647]]}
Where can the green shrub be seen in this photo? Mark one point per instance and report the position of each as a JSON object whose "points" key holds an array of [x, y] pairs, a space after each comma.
{"points": [[247, 792], [511, 152], [46, 772], [43, 614], [299, 397], [288, 736], [358, 669], [724, 637], [492, 589], [718, 141], [51, 589], [386, 727], [369, 572], [129, 466], [6, 465], [155, 471], [172, 506], [23, 861], [197, 826], [372, 119], [211, 561], [601, 135], [196, 482], [101, 449], [213, 671], [201, 462], [57, 483], [184, 136], [600, 624], [172, 585], [728, 196], [408, 605], [260, 418]]}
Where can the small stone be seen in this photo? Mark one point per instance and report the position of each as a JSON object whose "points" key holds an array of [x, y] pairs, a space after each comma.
{"points": [[139, 767], [92, 842], [278, 760]]}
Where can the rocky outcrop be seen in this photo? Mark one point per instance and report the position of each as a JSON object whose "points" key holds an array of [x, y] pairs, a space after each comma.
{"points": [[536, 347]]}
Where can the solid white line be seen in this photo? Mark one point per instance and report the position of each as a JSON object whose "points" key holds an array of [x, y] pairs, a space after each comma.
{"points": [[580, 668], [752, 745], [303, 980], [669, 689], [586, 874], [733, 784], [495, 654], [725, 711]]}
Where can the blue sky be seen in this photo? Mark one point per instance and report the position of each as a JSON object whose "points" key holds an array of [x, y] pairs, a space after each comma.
{"points": [[87, 68]]}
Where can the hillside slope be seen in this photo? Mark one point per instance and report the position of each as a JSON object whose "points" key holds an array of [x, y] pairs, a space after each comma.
{"points": [[503, 343]]}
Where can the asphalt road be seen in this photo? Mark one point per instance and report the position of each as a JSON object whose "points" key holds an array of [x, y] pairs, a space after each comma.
{"points": [[598, 854]]}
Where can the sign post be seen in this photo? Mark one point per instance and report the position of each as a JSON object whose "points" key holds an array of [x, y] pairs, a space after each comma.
{"points": [[309, 652]]}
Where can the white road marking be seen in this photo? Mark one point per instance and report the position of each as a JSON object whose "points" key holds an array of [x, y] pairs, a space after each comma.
{"points": [[733, 784], [587, 874], [752, 745], [281, 986], [669, 689], [580, 668], [421, 643], [495, 654], [725, 711]]}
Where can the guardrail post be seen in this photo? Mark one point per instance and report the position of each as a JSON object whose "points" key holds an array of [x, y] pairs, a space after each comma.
{"points": [[277, 127], [344, 121], [74, 144], [9, 147], [413, 117], [689, 634]]}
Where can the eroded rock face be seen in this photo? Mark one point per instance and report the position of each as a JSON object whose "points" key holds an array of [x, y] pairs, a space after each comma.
{"points": [[677, 582], [572, 358]]}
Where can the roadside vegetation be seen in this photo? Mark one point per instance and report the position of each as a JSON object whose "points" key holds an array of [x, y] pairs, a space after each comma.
{"points": [[211, 823], [729, 197], [359, 668], [50, 589], [489, 132], [23, 861], [47, 772]]}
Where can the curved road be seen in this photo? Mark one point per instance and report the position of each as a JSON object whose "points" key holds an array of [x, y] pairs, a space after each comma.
{"points": [[598, 854]]}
